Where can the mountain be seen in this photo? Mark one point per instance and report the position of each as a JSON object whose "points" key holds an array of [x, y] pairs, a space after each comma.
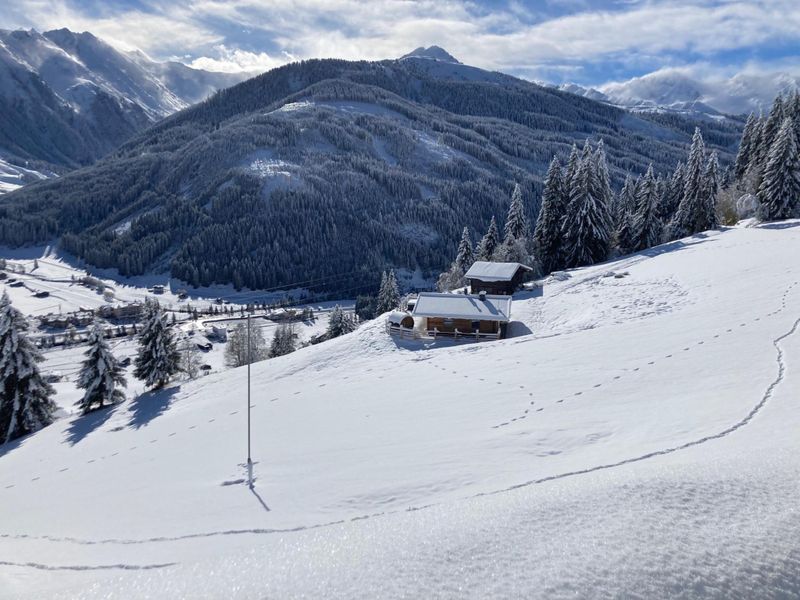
{"points": [[666, 100], [672, 90], [636, 437], [324, 172], [67, 98], [433, 53]]}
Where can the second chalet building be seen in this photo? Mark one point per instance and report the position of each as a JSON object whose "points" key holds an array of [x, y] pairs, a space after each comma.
{"points": [[498, 278]]}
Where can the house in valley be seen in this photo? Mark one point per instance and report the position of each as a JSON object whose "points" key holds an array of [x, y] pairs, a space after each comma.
{"points": [[499, 278]]}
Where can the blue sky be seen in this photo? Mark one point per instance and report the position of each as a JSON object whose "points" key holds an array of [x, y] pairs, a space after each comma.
{"points": [[582, 41]]}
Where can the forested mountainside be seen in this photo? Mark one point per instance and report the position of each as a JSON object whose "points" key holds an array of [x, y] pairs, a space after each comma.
{"points": [[326, 171], [66, 98]]}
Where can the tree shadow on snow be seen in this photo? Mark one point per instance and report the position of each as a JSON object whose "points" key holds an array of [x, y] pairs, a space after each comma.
{"points": [[676, 246], [84, 425], [13, 445], [150, 405], [779, 225]]}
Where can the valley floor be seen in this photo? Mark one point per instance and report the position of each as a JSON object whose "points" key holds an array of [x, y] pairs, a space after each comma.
{"points": [[638, 438]]}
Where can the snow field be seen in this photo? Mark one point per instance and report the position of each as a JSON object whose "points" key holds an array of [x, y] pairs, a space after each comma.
{"points": [[640, 442]]}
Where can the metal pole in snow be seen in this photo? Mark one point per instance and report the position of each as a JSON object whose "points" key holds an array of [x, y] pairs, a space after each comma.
{"points": [[249, 359]]}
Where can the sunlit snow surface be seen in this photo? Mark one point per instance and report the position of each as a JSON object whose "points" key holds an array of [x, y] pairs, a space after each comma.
{"points": [[642, 441]]}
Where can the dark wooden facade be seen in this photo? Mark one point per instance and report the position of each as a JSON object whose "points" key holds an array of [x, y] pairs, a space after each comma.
{"points": [[498, 288], [445, 325]]}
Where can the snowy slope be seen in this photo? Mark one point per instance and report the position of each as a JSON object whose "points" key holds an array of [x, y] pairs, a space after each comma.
{"points": [[636, 438]]}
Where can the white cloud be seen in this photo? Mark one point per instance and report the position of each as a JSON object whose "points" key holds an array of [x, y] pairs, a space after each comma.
{"points": [[247, 35], [233, 60]]}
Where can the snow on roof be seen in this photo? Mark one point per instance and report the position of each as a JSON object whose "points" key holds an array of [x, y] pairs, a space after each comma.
{"points": [[460, 306], [494, 271], [397, 316]]}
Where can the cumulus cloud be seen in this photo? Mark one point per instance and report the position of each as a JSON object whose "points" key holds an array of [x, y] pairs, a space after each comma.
{"points": [[234, 60], [556, 38]]}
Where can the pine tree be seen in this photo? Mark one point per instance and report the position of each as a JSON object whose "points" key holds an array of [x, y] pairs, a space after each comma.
{"points": [[547, 234], [573, 162], [692, 215], [746, 147], [25, 398], [284, 341], [768, 135], [516, 222], [625, 209], [489, 242], [602, 179], [389, 293], [587, 228], [711, 186], [673, 192], [464, 258], [646, 225], [157, 359], [339, 323], [779, 193], [517, 233], [101, 374]]}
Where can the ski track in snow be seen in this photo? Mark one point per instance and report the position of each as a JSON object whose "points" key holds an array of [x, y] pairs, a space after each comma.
{"points": [[41, 567], [769, 392]]}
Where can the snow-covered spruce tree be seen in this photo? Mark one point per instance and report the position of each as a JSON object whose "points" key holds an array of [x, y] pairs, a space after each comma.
{"points": [[624, 211], [465, 256], [339, 323], [516, 222], [284, 341], [647, 228], [240, 352], [673, 192], [768, 134], [547, 233], [489, 242], [101, 375], [25, 398], [746, 147], [157, 359], [779, 193], [517, 232], [692, 215], [602, 179], [573, 162], [389, 293], [711, 187], [587, 227]]}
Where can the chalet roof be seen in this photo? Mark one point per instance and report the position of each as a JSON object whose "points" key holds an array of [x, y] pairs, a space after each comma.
{"points": [[461, 306], [494, 271]]}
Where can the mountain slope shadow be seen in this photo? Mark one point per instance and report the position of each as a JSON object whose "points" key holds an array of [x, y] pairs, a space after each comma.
{"points": [[84, 425], [150, 405]]}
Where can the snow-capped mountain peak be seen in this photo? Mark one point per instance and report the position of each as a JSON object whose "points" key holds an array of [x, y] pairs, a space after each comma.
{"points": [[433, 53], [76, 97]]}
